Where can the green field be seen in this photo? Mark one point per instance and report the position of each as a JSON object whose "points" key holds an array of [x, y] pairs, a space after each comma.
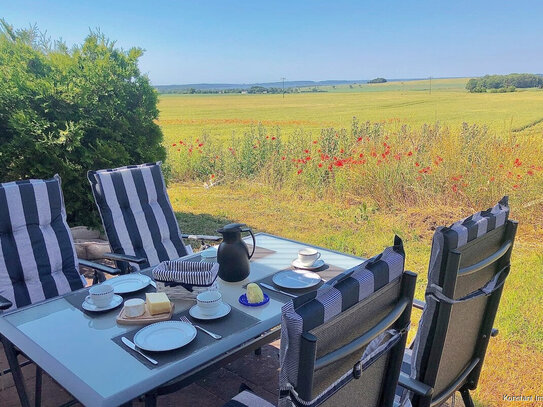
{"points": [[358, 207], [188, 116]]}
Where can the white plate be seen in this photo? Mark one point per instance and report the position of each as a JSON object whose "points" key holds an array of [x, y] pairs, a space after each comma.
{"points": [[115, 302], [129, 283], [318, 264], [163, 336], [223, 310], [296, 279]]}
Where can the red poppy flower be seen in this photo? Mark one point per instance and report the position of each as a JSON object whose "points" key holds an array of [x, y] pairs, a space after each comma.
{"points": [[300, 171], [173, 145], [530, 172], [320, 165], [314, 141], [417, 164], [409, 154], [306, 151], [273, 138], [455, 188], [359, 139]]}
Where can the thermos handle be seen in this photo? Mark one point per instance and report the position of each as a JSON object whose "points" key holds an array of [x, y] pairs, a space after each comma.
{"points": [[254, 240]]}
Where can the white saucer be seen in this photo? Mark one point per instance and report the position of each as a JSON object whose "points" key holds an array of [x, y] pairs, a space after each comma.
{"points": [[223, 310], [318, 264], [115, 302]]}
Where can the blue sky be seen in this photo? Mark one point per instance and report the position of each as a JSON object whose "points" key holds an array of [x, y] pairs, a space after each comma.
{"points": [[233, 41]]}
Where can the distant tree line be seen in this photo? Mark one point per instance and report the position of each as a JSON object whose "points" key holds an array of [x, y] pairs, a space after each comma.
{"points": [[251, 90], [378, 80], [504, 83]]}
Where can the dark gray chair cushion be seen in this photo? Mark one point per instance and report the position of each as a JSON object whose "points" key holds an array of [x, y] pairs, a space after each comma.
{"points": [[308, 312], [445, 239]]}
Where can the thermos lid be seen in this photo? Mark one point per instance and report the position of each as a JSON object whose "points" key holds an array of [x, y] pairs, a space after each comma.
{"points": [[232, 227]]}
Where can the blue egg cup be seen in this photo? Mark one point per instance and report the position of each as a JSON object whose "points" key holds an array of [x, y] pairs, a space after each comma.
{"points": [[243, 301]]}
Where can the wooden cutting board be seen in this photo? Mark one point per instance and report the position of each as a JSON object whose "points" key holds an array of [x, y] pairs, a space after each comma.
{"points": [[144, 319]]}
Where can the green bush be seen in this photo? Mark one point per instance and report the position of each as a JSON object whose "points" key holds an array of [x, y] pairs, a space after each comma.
{"points": [[68, 111]]}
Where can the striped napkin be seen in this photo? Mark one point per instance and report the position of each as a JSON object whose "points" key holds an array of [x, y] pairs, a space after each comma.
{"points": [[186, 273]]}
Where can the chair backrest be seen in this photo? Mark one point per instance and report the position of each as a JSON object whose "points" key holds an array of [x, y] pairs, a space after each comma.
{"points": [[468, 266], [136, 213], [343, 344], [37, 254]]}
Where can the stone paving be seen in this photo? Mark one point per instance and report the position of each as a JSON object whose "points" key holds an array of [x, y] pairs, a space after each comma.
{"points": [[258, 372]]}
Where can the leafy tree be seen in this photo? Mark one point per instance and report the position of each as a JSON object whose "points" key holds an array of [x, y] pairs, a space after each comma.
{"points": [[504, 83], [68, 111], [378, 80]]}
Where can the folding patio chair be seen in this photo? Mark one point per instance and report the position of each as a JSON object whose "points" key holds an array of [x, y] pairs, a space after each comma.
{"points": [[469, 263], [37, 256], [138, 217], [342, 345]]}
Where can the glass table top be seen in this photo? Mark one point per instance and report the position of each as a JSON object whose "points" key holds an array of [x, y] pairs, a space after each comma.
{"points": [[77, 350]]}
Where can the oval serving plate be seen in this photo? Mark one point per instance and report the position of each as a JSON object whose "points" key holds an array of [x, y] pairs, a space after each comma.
{"points": [[164, 336], [129, 283]]}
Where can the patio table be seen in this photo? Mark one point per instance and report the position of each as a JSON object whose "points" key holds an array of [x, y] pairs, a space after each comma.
{"points": [[78, 349]]}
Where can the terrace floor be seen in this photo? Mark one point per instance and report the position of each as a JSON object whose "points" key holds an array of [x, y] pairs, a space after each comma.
{"points": [[258, 372]]}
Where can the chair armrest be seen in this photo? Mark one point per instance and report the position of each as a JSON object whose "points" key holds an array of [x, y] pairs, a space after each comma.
{"points": [[5, 303], [415, 386], [99, 267], [124, 257], [418, 304], [202, 237]]}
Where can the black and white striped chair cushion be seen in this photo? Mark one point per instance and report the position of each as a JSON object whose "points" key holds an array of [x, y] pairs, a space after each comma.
{"points": [[37, 254], [305, 313], [448, 238], [137, 214]]}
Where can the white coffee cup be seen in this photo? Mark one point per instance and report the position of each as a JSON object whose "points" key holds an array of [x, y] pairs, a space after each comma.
{"points": [[209, 301], [100, 295], [308, 256], [209, 255], [134, 307]]}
